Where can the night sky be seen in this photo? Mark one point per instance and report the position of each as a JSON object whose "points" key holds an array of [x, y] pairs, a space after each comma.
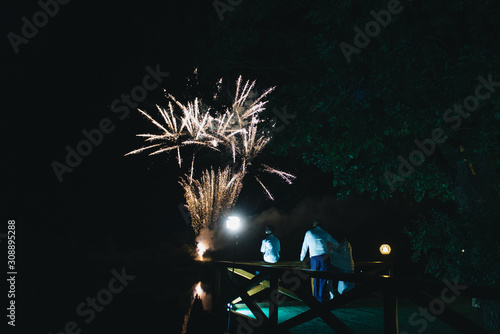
{"points": [[63, 82], [111, 211]]}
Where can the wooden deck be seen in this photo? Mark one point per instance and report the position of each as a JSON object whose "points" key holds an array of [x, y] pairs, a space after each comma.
{"points": [[367, 316], [278, 299]]}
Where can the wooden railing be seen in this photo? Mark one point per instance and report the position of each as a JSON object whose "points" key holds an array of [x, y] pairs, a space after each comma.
{"points": [[250, 282]]}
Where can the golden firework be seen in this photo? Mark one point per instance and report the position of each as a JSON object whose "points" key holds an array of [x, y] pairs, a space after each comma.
{"points": [[210, 196]]}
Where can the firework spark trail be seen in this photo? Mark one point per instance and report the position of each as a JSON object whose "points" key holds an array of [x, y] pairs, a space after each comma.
{"points": [[268, 193], [284, 175], [139, 150], [210, 196], [192, 171]]}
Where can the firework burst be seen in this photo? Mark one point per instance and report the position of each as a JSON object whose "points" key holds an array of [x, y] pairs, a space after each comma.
{"points": [[236, 128], [234, 131]]}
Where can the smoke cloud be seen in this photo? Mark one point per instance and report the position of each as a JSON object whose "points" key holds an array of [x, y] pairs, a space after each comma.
{"points": [[206, 238], [351, 217]]}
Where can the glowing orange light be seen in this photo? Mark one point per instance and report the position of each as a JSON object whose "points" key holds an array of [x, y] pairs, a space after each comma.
{"points": [[199, 291], [385, 249]]}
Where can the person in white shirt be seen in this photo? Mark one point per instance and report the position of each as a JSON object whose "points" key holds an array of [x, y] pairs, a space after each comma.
{"points": [[341, 258], [316, 241], [270, 246]]}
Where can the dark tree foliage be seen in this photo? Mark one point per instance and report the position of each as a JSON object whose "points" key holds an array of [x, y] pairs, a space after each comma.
{"points": [[361, 114]]}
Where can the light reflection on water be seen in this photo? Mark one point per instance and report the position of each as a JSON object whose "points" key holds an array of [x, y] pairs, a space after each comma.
{"points": [[206, 299]]}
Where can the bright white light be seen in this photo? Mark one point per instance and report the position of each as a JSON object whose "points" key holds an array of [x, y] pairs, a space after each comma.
{"points": [[233, 223], [201, 248]]}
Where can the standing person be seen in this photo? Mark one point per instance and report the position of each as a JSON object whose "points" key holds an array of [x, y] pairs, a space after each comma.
{"points": [[270, 246], [316, 241], [341, 258]]}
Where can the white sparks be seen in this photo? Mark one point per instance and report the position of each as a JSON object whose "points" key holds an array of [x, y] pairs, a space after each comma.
{"points": [[233, 132], [201, 249], [268, 193], [285, 176]]}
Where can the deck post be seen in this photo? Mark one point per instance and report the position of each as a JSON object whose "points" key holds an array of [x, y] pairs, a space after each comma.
{"points": [[391, 325], [273, 298], [217, 292]]}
